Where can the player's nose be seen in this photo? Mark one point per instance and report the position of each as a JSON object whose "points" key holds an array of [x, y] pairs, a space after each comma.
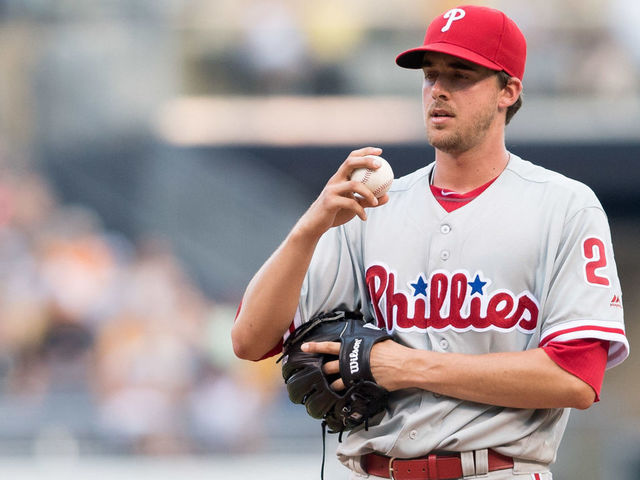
{"points": [[439, 90]]}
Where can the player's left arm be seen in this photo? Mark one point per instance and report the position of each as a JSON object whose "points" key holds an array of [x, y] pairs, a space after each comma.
{"points": [[528, 379]]}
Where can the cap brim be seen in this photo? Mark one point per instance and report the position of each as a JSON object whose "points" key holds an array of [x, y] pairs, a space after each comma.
{"points": [[413, 58]]}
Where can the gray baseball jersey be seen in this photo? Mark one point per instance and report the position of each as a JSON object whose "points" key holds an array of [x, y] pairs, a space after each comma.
{"points": [[528, 261]]}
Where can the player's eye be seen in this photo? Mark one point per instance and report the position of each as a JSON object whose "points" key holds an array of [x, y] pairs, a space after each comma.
{"points": [[430, 76]]}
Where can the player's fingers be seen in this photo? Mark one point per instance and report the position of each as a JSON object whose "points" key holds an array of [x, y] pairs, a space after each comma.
{"points": [[348, 188], [331, 348], [338, 385], [367, 201], [383, 199], [367, 160], [366, 151], [332, 367], [364, 196], [347, 203]]}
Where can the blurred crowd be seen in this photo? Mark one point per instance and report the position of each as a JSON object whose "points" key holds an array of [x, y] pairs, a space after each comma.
{"points": [[333, 47], [106, 344]]}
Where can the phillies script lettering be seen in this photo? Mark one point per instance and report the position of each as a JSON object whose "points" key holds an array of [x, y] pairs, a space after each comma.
{"points": [[449, 303]]}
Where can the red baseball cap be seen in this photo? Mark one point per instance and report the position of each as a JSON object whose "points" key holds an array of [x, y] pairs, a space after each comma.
{"points": [[481, 35]]}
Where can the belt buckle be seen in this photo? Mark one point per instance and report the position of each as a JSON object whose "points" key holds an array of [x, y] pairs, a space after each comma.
{"points": [[391, 468]]}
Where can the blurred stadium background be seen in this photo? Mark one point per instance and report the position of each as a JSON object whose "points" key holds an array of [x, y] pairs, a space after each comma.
{"points": [[154, 152]]}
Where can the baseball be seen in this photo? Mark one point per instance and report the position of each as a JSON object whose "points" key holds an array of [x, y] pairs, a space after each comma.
{"points": [[378, 181]]}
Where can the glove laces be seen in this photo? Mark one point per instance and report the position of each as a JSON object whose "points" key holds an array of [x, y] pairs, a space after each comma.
{"points": [[324, 447], [324, 441]]}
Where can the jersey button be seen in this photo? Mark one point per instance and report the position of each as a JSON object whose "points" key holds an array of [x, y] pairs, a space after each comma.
{"points": [[445, 229], [413, 434], [444, 344], [444, 255]]}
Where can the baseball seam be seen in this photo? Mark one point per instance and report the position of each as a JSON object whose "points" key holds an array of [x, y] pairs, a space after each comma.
{"points": [[382, 188], [367, 175]]}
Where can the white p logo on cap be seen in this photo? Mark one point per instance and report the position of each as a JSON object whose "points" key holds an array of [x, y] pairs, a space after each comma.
{"points": [[451, 16]]}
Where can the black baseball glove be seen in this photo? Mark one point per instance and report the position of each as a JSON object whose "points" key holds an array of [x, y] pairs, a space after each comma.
{"points": [[307, 384]]}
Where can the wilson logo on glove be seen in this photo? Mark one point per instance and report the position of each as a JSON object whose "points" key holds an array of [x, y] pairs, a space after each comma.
{"points": [[354, 365]]}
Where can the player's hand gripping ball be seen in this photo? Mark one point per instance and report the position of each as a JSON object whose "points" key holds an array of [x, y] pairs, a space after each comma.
{"points": [[378, 181]]}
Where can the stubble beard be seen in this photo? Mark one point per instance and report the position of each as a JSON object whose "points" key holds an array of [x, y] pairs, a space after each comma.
{"points": [[461, 138]]}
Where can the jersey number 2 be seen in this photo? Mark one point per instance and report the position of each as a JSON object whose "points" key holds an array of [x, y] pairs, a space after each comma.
{"points": [[593, 251]]}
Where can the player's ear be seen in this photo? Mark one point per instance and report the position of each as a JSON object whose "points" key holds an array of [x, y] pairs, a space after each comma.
{"points": [[510, 92]]}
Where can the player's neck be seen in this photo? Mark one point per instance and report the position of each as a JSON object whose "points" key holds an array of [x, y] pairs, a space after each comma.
{"points": [[463, 172]]}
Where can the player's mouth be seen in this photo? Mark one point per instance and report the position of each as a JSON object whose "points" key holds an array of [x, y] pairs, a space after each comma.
{"points": [[440, 115]]}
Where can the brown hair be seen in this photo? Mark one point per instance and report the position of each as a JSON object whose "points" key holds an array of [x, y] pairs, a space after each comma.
{"points": [[503, 79]]}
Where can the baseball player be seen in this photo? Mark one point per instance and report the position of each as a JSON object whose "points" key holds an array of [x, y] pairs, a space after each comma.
{"points": [[495, 277]]}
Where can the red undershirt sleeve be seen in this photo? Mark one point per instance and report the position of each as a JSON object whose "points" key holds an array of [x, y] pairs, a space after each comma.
{"points": [[586, 358]]}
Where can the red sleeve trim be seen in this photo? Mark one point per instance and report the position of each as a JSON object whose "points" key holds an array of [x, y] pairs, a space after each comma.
{"points": [[586, 358], [551, 336]]}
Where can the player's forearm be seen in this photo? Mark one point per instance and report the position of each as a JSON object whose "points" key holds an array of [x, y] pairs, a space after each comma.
{"points": [[270, 301], [528, 379], [272, 296]]}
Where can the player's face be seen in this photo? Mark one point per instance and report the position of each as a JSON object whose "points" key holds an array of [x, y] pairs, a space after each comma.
{"points": [[460, 102]]}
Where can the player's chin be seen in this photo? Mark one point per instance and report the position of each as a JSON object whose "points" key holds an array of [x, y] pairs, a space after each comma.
{"points": [[436, 136], [446, 142]]}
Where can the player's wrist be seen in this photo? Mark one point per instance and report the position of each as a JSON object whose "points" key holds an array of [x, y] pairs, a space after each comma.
{"points": [[308, 229], [419, 370], [410, 370]]}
